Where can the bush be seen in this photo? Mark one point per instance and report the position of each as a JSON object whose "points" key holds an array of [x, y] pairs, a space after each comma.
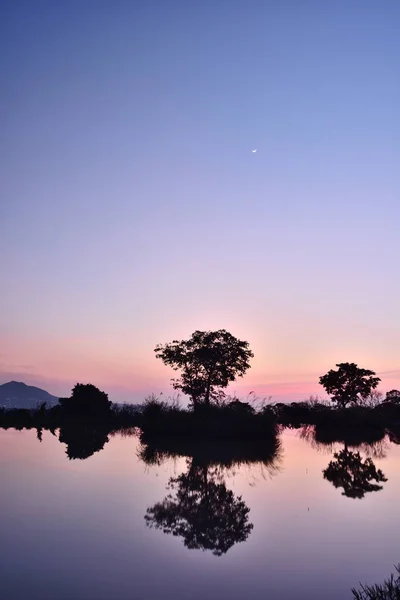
{"points": [[236, 420], [86, 401]]}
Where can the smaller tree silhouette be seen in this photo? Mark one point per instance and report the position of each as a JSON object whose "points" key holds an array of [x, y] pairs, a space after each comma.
{"points": [[86, 401], [208, 361], [393, 396], [349, 384], [353, 474]]}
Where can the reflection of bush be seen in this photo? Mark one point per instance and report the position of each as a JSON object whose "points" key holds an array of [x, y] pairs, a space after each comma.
{"points": [[83, 439], [394, 434], [228, 454], [375, 449], [352, 425]]}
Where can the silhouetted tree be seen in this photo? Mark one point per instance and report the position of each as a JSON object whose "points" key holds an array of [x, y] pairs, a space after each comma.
{"points": [[349, 384], [353, 474], [86, 401], [203, 512], [208, 361], [393, 396]]}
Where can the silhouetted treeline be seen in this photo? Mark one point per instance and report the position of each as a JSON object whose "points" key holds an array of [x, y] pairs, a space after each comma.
{"points": [[88, 417], [233, 420]]}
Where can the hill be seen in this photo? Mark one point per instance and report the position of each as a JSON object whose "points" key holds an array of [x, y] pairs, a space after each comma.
{"points": [[16, 394]]}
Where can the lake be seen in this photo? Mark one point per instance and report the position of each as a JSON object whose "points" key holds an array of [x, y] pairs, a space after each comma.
{"points": [[76, 528]]}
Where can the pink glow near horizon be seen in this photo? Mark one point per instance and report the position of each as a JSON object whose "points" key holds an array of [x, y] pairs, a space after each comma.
{"points": [[58, 365]]}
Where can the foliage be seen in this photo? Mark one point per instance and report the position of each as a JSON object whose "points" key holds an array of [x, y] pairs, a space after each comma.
{"points": [[393, 396], [233, 421], [353, 474], [203, 512], [388, 590], [349, 384], [208, 361], [86, 401], [297, 414]]}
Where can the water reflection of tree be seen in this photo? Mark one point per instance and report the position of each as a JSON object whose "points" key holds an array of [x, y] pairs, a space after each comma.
{"points": [[199, 507], [348, 470], [202, 511], [355, 475], [83, 439]]}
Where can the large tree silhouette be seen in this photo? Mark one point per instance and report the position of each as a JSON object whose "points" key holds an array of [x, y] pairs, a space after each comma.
{"points": [[202, 511], [208, 361], [349, 384], [355, 475]]}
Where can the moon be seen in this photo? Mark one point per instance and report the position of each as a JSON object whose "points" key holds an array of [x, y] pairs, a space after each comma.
{"points": [[254, 151]]}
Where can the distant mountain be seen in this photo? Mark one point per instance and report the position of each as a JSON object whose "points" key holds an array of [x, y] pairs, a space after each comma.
{"points": [[16, 394]]}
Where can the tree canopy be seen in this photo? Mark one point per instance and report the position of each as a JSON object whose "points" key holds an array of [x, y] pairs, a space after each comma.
{"points": [[393, 396], [349, 384], [87, 401], [208, 361]]}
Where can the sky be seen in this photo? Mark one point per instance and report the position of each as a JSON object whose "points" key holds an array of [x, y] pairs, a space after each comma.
{"points": [[133, 210]]}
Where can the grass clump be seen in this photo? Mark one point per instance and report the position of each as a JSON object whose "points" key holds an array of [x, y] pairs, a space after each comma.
{"points": [[388, 590]]}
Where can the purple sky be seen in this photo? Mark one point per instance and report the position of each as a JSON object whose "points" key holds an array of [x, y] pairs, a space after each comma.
{"points": [[133, 210]]}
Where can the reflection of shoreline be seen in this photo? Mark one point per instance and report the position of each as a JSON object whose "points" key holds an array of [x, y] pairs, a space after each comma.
{"points": [[374, 449], [228, 454]]}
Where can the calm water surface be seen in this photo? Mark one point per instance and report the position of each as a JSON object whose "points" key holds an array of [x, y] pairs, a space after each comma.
{"points": [[76, 529]]}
